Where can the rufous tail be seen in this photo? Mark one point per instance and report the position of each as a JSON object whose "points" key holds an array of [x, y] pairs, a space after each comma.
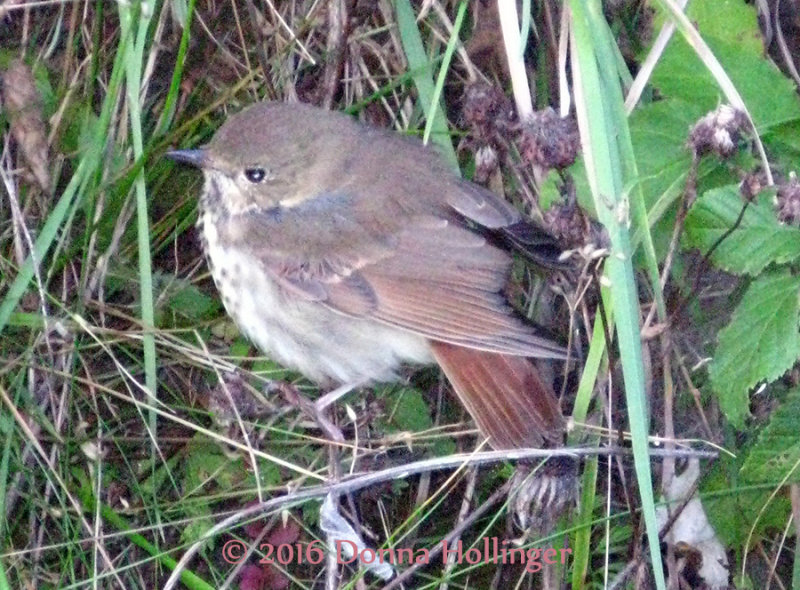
{"points": [[504, 394]]}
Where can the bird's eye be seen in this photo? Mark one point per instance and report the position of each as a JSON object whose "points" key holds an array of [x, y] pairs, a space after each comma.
{"points": [[255, 175]]}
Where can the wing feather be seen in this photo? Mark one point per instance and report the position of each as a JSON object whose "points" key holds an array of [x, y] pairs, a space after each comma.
{"points": [[432, 276]]}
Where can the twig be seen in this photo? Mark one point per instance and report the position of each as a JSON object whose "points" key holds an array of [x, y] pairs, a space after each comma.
{"points": [[337, 21], [351, 484], [701, 268]]}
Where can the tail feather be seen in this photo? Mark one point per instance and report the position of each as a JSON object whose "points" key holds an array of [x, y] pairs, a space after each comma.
{"points": [[504, 394]]}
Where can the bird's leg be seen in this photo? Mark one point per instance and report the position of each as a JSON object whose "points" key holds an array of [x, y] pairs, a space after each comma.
{"points": [[317, 410], [334, 395]]}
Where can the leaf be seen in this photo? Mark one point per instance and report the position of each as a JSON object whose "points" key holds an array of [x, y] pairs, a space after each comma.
{"points": [[200, 523], [179, 302], [206, 464], [737, 511], [777, 452], [186, 300], [407, 411], [22, 101], [731, 30], [728, 19], [284, 534], [262, 577], [410, 412], [760, 343], [758, 241], [420, 65], [658, 133], [687, 91], [254, 577], [783, 145], [205, 467]]}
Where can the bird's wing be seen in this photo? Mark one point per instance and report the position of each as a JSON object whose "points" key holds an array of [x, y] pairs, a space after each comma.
{"points": [[488, 210], [433, 277]]}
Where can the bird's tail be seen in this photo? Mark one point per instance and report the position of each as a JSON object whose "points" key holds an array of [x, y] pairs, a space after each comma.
{"points": [[510, 402]]}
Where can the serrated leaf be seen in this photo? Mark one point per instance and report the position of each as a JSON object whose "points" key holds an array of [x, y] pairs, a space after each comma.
{"points": [[658, 132], [783, 145], [760, 343], [200, 523], [777, 452], [179, 302], [730, 28], [729, 19], [205, 464], [687, 91], [758, 241]]}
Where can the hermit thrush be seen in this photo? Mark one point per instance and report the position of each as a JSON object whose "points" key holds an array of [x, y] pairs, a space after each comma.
{"points": [[344, 251]]}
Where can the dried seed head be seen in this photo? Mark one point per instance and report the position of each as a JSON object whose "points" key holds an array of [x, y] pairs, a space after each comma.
{"points": [[566, 223], [719, 132], [787, 201], [485, 163], [572, 227], [487, 111], [752, 184], [541, 498], [549, 141]]}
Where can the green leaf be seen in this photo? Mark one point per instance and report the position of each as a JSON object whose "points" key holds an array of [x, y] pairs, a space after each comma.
{"points": [[611, 168], [206, 468], [207, 464], [186, 300], [408, 411], [728, 19], [420, 65], [760, 343], [758, 241], [777, 452], [688, 91], [658, 133], [783, 145], [738, 512], [731, 30]]}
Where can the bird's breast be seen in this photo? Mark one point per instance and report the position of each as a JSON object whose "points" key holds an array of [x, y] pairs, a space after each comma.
{"points": [[324, 345]]}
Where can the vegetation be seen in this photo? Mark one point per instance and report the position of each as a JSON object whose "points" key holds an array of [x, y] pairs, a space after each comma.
{"points": [[140, 427]]}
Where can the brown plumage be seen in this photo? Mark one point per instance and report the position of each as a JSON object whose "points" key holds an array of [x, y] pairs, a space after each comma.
{"points": [[344, 251]]}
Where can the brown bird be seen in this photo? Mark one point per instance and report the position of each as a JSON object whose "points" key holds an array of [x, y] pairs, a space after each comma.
{"points": [[344, 251]]}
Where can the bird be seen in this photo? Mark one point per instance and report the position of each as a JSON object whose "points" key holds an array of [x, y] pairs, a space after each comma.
{"points": [[346, 252]]}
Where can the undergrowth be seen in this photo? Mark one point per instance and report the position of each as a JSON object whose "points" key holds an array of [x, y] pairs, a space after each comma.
{"points": [[672, 171]]}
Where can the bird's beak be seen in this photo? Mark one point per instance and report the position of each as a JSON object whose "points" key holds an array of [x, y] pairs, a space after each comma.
{"points": [[197, 158]]}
